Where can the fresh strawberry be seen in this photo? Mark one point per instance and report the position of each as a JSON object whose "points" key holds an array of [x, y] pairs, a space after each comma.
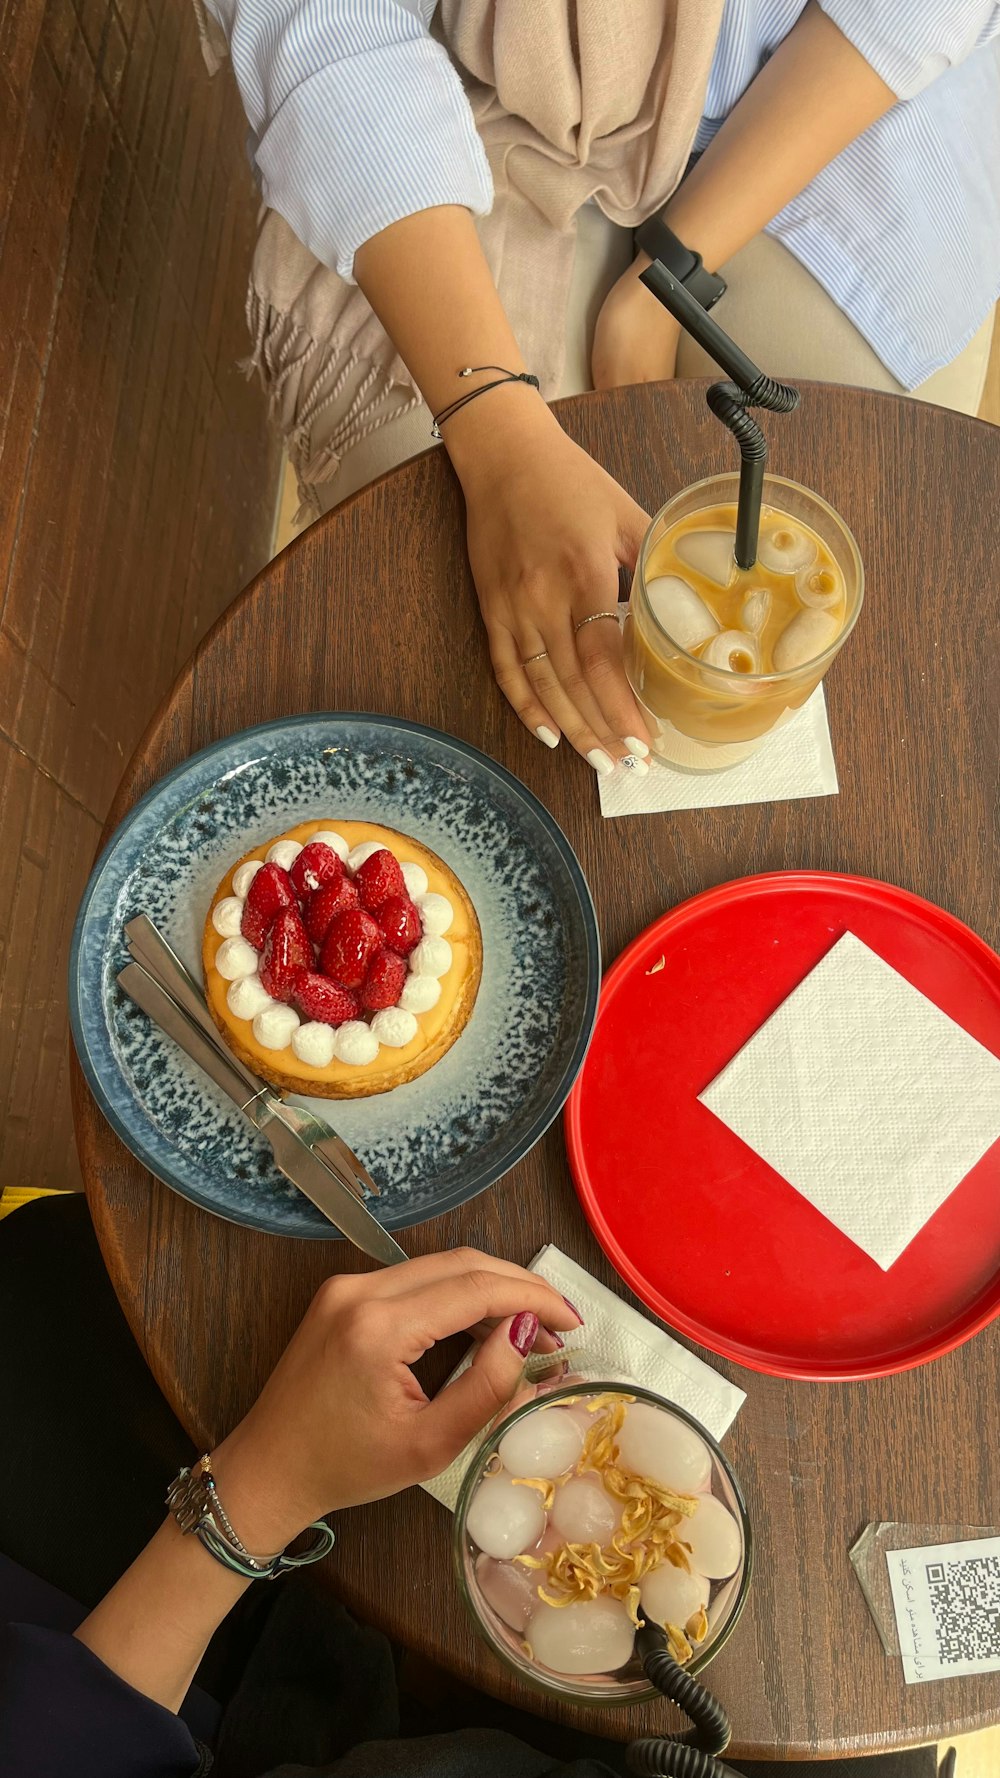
{"points": [[316, 866], [322, 908], [287, 952], [316, 998], [400, 923], [270, 891], [377, 879], [384, 982], [349, 947]]}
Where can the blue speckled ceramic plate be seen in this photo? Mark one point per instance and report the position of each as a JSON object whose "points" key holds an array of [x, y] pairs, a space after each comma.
{"points": [[432, 1143]]}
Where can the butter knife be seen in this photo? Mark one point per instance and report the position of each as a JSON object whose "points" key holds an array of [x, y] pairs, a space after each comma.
{"points": [[314, 1176], [149, 948]]}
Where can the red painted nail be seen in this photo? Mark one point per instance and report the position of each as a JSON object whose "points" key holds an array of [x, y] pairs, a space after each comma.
{"points": [[574, 1308], [523, 1330]]}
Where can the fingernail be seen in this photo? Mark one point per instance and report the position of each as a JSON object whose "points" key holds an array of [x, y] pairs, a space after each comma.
{"points": [[636, 746], [548, 735], [523, 1331], [602, 762], [573, 1308], [638, 767]]}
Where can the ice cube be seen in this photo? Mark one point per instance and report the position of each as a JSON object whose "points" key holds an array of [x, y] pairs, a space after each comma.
{"points": [[670, 1595], [511, 1591], [682, 613], [714, 1539], [712, 553], [808, 634], [733, 650], [755, 610], [655, 1444], [589, 1636], [504, 1520], [820, 587], [583, 1512], [546, 1443], [783, 547]]}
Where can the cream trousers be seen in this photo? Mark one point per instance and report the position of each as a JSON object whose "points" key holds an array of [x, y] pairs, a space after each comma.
{"points": [[814, 339]]}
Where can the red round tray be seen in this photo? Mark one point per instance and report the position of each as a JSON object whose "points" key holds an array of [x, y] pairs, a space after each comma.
{"points": [[704, 1231]]}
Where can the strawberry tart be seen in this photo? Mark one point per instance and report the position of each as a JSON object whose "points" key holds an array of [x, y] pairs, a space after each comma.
{"points": [[341, 960]]}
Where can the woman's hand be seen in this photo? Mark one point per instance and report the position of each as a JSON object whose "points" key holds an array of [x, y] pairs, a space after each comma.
{"points": [[548, 529], [343, 1419], [635, 340]]}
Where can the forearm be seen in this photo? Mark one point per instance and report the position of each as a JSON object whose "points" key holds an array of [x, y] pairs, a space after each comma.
{"points": [[428, 282], [814, 96], [154, 1625]]}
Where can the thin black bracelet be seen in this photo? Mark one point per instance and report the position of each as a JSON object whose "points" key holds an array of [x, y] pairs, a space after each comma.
{"points": [[506, 376]]}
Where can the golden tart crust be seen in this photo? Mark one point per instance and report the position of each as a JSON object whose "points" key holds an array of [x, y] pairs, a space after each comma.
{"points": [[437, 1030]]}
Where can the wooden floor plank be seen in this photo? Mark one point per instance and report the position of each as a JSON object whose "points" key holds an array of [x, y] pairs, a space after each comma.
{"points": [[129, 446]]}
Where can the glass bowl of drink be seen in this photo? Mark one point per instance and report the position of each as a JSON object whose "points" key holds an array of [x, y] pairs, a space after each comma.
{"points": [[588, 1509], [719, 656]]}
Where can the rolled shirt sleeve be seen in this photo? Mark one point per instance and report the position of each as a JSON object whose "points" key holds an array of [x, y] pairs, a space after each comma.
{"points": [[910, 42], [357, 117]]}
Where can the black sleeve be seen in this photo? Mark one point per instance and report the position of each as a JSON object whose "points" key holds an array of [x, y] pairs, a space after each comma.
{"points": [[64, 1714]]}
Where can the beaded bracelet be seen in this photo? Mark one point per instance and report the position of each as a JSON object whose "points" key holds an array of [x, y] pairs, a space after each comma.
{"points": [[506, 376], [193, 1499]]}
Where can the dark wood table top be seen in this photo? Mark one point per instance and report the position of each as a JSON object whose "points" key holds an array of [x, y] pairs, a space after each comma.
{"points": [[356, 615]]}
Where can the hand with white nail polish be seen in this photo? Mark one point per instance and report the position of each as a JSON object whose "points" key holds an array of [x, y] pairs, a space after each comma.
{"points": [[602, 762], [548, 530]]}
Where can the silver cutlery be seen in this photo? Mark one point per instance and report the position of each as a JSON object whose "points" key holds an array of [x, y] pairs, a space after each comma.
{"points": [[317, 1176], [149, 948]]}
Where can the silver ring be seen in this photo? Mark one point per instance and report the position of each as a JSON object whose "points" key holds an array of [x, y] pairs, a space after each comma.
{"points": [[542, 655], [595, 618]]}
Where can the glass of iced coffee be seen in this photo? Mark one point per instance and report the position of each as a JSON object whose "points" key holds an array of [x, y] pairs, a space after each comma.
{"points": [[719, 656]]}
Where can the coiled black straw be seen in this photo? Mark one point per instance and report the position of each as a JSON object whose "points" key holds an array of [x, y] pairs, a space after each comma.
{"points": [[690, 1753], [729, 401]]}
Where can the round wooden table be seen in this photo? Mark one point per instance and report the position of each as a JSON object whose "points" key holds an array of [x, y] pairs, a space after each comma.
{"points": [[373, 609]]}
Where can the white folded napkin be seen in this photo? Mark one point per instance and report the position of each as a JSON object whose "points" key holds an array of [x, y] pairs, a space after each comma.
{"points": [[617, 1345], [795, 760], [865, 1096]]}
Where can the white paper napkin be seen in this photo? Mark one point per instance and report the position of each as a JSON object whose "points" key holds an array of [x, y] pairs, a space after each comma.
{"points": [[794, 761], [865, 1096], [619, 1346]]}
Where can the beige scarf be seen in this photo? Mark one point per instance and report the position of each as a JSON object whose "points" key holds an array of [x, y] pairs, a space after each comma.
{"points": [[575, 100]]}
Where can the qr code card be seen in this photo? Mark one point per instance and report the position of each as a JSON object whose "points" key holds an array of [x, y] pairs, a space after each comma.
{"points": [[947, 1603]]}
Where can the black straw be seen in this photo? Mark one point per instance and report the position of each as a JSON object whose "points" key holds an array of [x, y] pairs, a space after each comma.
{"points": [[729, 402], [689, 1753]]}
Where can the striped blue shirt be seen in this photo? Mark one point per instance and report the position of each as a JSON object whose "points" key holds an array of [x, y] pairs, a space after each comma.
{"points": [[358, 119]]}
